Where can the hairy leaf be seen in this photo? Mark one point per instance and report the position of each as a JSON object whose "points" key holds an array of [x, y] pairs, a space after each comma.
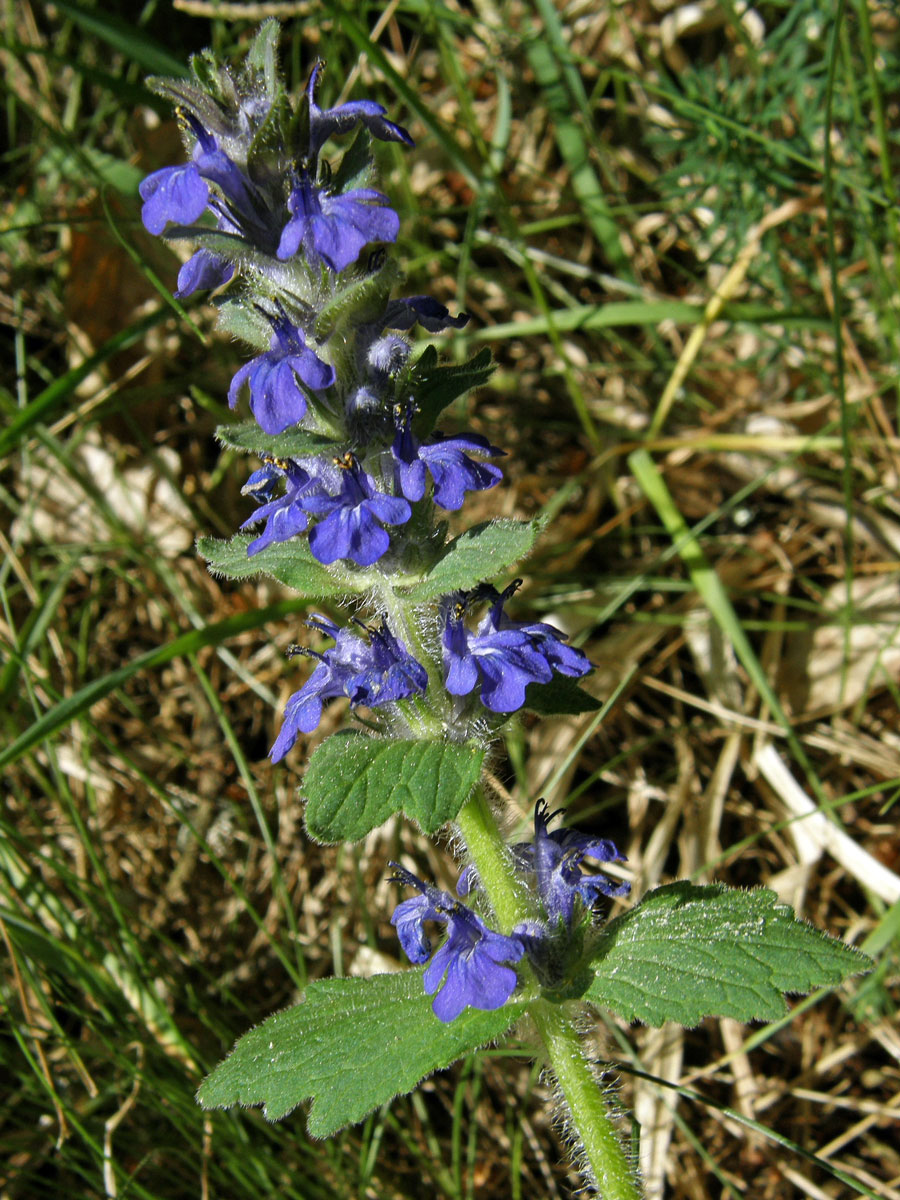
{"points": [[434, 386], [289, 562], [360, 301], [266, 154], [686, 952], [355, 782], [293, 443], [350, 1044], [482, 552]]}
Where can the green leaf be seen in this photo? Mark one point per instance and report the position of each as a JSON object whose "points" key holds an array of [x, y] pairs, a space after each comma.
{"points": [[356, 165], [244, 321], [293, 443], [289, 562], [561, 697], [204, 70], [267, 151], [685, 953], [360, 301], [355, 782], [231, 247], [350, 1044], [262, 57], [482, 552], [434, 386]]}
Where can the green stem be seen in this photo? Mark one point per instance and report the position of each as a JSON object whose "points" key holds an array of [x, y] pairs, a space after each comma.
{"points": [[492, 861], [608, 1164], [605, 1158]]}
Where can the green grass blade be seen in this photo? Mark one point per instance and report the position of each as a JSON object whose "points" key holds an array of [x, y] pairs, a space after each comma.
{"points": [[189, 643], [126, 37], [709, 588], [51, 398]]}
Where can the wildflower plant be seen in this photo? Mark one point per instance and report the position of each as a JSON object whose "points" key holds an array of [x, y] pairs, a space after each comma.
{"points": [[346, 499]]}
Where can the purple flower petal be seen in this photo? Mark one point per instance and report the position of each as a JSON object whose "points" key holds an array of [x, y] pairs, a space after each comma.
{"points": [[555, 858], [276, 398], [430, 314], [373, 673], [173, 194], [335, 228], [352, 527], [331, 121], [505, 655], [203, 271], [470, 968]]}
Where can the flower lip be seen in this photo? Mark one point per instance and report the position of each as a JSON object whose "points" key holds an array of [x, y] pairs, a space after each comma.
{"points": [[504, 656], [334, 229], [173, 194], [277, 377], [203, 271], [445, 459], [353, 520], [284, 515]]}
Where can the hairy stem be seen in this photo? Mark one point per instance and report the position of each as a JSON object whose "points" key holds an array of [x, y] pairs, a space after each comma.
{"points": [[605, 1160], [492, 861]]}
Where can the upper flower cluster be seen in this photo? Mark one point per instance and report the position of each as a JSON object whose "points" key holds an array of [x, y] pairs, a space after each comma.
{"points": [[474, 961], [280, 225], [274, 203]]}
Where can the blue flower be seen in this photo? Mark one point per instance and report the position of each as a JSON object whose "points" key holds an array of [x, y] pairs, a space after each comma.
{"points": [[203, 271], [555, 859], [354, 519], [545, 638], [470, 967], [284, 515], [331, 121], [180, 194], [445, 459], [504, 662], [177, 194], [503, 656], [380, 671], [334, 229], [391, 674], [276, 397]]}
